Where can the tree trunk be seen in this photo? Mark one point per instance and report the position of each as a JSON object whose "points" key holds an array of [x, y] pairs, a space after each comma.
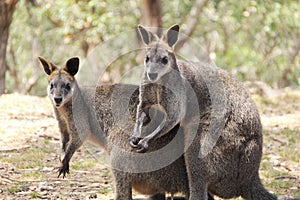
{"points": [[151, 18], [151, 15], [7, 8]]}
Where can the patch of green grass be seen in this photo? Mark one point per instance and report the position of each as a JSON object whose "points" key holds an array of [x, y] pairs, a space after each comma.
{"points": [[17, 188], [293, 139], [104, 191], [265, 165], [46, 141], [297, 193], [272, 173], [285, 144], [86, 164], [279, 184], [28, 158], [34, 195], [287, 141], [106, 174], [33, 175]]}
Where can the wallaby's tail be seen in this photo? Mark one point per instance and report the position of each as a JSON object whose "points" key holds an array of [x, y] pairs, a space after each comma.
{"points": [[257, 192]]}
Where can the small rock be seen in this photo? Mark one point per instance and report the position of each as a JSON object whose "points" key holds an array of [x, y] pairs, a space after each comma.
{"points": [[43, 186], [32, 188], [47, 169]]}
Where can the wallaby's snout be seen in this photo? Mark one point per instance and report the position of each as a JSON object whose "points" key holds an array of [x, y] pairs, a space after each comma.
{"points": [[57, 101], [152, 76], [60, 89], [156, 70]]}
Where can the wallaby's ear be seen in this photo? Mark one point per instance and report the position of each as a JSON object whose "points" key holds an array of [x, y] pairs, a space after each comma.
{"points": [[48, 67], [171, 36], [72, 66], [146, 36]]}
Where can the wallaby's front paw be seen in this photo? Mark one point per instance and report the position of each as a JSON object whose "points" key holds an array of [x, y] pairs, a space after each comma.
{"points": [[142, 146], [133, 141], [63, 169]]}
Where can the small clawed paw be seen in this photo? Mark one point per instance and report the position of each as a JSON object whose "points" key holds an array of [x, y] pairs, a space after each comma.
{"points": [[63, 170], [142, 146], [134, 141]]}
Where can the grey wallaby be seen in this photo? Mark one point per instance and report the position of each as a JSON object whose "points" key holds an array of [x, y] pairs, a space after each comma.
{"points": [[222, 128], [160, 81], [105, 115]]}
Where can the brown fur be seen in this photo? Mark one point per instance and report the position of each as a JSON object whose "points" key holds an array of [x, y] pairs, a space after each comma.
{"points": [[91, 113]]}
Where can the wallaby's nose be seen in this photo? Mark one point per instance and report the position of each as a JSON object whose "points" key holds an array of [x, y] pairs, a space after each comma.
{"points": [[152, 76], [58, 100]]}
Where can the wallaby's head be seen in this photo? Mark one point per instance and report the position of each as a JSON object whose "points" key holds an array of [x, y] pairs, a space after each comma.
{"points": [[61, 81], [160, 58]]}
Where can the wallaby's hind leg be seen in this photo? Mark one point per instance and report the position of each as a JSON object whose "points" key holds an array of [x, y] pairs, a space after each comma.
{"points": [[198, 187], [123, 187], [196, 171], [257, 191]]}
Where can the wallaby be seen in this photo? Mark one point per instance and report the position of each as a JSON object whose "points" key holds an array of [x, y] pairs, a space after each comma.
{"points": [[160, 80], [222, 130], [98, 114]]}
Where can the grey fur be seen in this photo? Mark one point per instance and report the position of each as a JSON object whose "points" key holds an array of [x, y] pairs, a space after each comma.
{"points": [[92, 114], [223, 141]]}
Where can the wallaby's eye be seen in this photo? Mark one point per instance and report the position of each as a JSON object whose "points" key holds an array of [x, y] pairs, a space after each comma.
{"points": [[68, 87], [164, 60], [51, 86], [147, 59]]}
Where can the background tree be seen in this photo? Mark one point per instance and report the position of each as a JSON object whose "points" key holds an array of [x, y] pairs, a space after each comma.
{"points": [[7, 8], [151, 14], [252, 39]]}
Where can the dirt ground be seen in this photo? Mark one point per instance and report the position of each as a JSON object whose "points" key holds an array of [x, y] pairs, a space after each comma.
{"points": [[29, 143]]}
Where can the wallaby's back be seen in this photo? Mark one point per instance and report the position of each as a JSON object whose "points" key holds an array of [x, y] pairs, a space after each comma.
{"points": [[228, 144]]}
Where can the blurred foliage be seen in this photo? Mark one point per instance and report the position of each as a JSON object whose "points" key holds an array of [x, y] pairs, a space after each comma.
{"points": [[253, 39]]}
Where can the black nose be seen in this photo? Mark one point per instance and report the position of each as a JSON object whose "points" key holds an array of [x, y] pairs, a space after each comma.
{"points": [[152, 76], [58, 100]]}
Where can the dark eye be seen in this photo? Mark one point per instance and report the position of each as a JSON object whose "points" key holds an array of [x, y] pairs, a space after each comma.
{"points": [[147, 59], [68, 87], [164, 60], [51, 86]]}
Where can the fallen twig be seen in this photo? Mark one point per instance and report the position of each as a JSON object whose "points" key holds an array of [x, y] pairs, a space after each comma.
{"points": [[285, 177], [14, 149], [47, 136]]}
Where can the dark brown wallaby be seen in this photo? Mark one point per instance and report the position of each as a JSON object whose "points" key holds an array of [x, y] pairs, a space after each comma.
{"points": [[222, 128], [99, 114]]}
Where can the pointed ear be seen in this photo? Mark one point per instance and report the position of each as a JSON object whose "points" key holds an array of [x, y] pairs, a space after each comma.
{"points": [[72, 66], [171, 36], [48, 67], [146, 36]]}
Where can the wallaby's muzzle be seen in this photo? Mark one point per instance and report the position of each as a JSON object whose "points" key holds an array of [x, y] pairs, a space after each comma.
{"points": [[58, 101], [152, 76]]}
